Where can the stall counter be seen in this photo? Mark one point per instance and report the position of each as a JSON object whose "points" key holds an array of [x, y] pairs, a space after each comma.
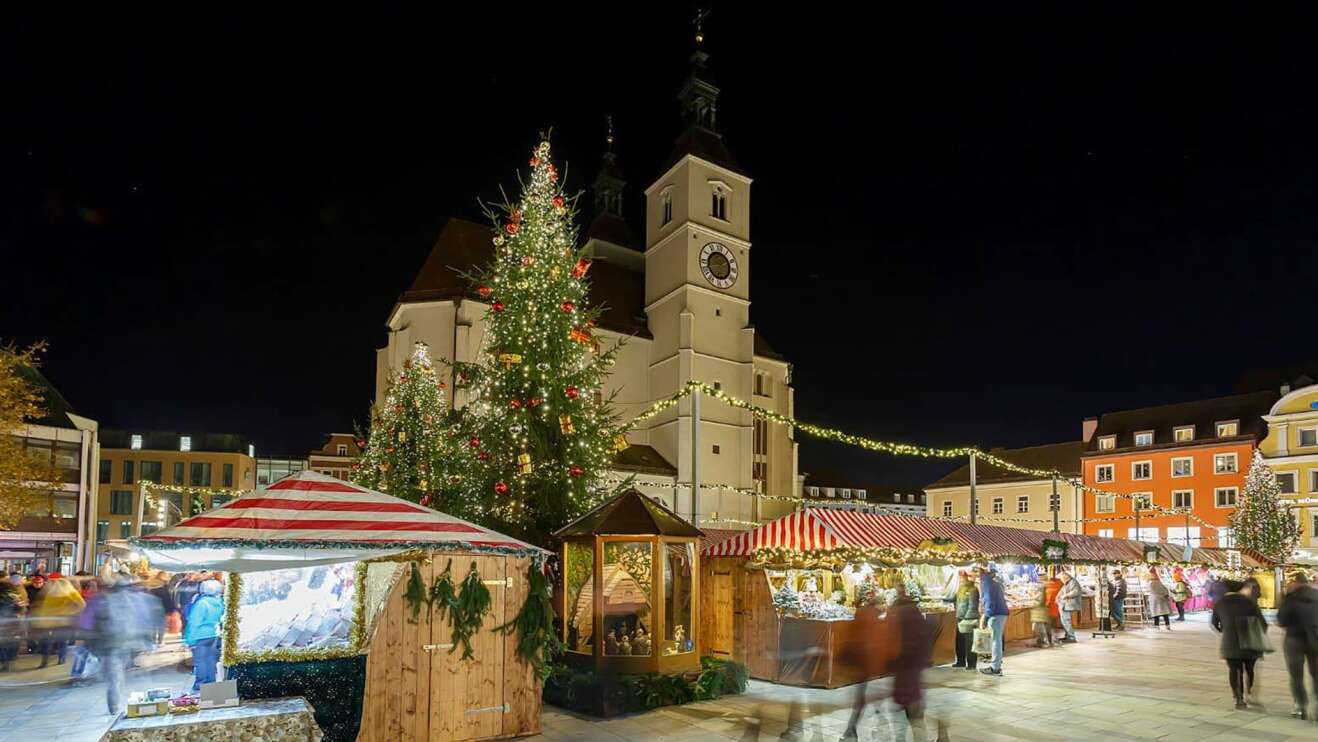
{"points": [[827, 654]]}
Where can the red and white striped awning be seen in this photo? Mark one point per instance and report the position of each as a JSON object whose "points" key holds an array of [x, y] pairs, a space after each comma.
{"points": [[313, 518], [824, 528]]}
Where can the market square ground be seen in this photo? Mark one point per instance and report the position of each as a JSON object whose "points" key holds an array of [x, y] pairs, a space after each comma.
{"points": [[1140, 685]]}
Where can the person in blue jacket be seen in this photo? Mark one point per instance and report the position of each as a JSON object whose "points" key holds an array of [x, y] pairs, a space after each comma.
{"points": [[993, 612], [202, 633]]}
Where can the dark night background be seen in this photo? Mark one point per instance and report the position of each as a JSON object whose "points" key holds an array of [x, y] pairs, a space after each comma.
{"points": [[973, 223]]}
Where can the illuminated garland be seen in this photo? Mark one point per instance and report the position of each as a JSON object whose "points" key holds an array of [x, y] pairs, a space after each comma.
{"points": [[899, 449], [307, 545], [149, 487], [733, 521], [749, 492], [356, 637], [889, 556]]}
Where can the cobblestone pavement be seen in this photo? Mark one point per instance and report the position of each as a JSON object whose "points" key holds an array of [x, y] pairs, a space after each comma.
{"points": [[1143, 684]]}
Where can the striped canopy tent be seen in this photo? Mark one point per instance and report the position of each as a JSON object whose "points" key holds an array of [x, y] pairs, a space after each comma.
{"points": [[310, 519], [821, 529]]}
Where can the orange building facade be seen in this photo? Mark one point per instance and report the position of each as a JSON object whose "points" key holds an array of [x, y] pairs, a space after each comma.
{"points": [[1191, 457]]}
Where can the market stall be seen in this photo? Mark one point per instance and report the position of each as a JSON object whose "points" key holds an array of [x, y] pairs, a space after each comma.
{"points": [[793, 586], [328, 596]]}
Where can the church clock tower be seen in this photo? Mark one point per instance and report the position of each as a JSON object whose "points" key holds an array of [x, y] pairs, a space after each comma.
{"points": [[697, 301]]}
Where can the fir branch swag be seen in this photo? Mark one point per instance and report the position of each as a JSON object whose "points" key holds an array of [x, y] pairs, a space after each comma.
{"points": [[416, 593], [534, 624], [468, 612]]}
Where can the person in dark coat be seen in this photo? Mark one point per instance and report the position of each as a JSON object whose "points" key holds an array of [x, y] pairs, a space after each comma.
{"points": [[1298, 614], [914, 648], [967, 619], [1231, 618]]}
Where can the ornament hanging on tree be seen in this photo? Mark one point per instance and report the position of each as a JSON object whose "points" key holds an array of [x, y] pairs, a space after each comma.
{"points": [[515, 429], [567, 306], [579, 270], [576, 471], [497, 306], [483, 455], [511, 228], [508, 359], [475, 442], [572, 392], [620, 443], [565, 424], [524, 463], [559, 203], [500, 488], [425, 499], [483, 292], [498, 240], [515, 403]]}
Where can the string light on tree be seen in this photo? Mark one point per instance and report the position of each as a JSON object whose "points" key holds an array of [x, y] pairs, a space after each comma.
{"points": [[1261, 522]]}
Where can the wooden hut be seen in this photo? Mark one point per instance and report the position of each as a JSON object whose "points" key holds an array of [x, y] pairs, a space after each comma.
{"points": [[321, 550], [645, 617]]}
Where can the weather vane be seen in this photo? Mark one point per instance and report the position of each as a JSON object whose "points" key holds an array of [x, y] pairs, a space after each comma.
{"points": [[701, 15], [608, 137]]}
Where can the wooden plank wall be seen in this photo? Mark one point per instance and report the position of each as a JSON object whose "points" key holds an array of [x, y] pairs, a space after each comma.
{"points": [[414, 694], [755, 624], [716, 608]]}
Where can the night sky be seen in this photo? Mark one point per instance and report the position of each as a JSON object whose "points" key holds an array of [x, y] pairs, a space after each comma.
{"points": [[977, 223]]}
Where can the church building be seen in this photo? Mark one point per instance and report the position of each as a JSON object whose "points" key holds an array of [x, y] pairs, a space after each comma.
{"points": [[680, 305]]}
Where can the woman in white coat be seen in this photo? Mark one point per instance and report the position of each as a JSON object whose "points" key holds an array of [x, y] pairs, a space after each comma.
{"points": [[1160, 602]]}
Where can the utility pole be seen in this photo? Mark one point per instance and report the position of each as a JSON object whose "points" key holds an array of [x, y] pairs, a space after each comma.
{"points": [[1137, 519], [974, 501], [1055, 505]]}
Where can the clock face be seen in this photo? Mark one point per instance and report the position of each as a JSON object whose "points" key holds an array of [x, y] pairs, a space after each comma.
{"points": [[718, 265]]}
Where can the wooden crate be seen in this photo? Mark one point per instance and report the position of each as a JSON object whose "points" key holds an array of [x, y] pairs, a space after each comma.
{"points": [[417, 690]]}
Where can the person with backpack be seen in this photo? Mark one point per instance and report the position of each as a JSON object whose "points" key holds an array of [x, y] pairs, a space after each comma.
{"points": [[1298, 614]]}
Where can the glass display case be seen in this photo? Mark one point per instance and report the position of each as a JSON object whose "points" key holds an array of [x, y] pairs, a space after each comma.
{"points": [[307, 609]]}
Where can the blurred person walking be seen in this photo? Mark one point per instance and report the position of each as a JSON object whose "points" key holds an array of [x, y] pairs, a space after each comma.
{"points": [[914, 648], [1238, 619], [871, 660], [53, 616], [158, 585], [1117, 600], [115, 636], [1041, 618], [1298, 614], [201, 632], [967, 618], [11, 622], [1068, 602], [993, 609], [1160, 602], [1180, 591]]}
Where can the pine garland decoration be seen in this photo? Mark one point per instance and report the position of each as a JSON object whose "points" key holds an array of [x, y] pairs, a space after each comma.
{"points": [[468, 611], [534, 624], [416, 593], [443, 597]]}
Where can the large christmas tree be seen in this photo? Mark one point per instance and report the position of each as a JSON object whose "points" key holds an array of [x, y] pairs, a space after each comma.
{"points": [[407, 452], [1261, 523], [537, 436]]}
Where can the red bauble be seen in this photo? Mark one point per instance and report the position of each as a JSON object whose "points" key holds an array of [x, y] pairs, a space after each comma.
{"points": [[402, 379], [567, 306], [497, 306], [483, 455], [516, 404], [425, 500], [572, 392], [361, 443], [500, 488], [576, 471], [484, 291], [579, 270], [475, 442], [511, 227], [559, 202], [528, 259], [533, 402], [398, 408], [535, 162]]}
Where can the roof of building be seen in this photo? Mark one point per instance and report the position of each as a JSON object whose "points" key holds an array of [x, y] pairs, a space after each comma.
{"points": [[610, 228], [705, 144], [1203, 414], [643, 459], [463, 247], [54, 405], [629, 514], [763, 349], [157, 440], [1062, 457]]}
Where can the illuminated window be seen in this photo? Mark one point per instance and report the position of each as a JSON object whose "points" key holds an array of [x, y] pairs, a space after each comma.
{"points": [[1106, 533], [1107, 443], [1144, 438], [1183, 499], [947, 509], [1142, 501], [1228, 428], [1225, 497], [997, 506], [1105, 503], [1141, 470], [1023, 504], [1183, 434], [185, 443], [1183, 467], [1226, 539], [136, 442], [1286, 481], [1104, 472], [1181, 535]]}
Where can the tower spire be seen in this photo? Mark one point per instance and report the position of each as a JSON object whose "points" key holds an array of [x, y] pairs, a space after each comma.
{"points": [[699, 101], [609, 183]]}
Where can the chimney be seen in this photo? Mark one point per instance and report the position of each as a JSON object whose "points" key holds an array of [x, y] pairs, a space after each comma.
{"points": [[1087, 428]]}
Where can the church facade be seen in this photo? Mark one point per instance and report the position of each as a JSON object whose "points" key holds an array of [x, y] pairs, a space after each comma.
{"points": [[679, 305]]}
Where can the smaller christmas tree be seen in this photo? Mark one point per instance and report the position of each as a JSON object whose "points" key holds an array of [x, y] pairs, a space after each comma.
{"points": [[1261, 523], [404, 455]]}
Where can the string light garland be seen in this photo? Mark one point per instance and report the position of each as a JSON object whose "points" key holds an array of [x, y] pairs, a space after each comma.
{"points": [[904, 449]]}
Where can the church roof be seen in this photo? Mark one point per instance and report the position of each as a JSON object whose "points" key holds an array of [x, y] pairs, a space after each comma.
{"points": [[610, 228], [463, 246], [762, 348], [642, 459], [705, 144]]}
